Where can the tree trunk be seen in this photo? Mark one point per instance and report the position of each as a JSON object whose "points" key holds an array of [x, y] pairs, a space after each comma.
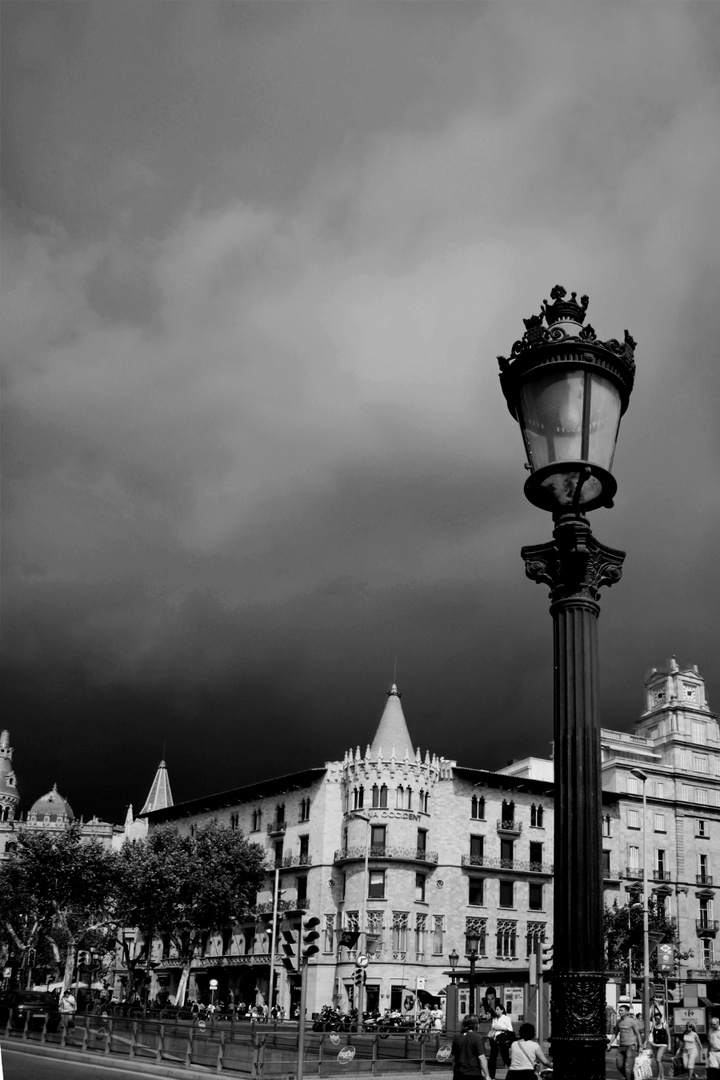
{"points": [[183, 984]]}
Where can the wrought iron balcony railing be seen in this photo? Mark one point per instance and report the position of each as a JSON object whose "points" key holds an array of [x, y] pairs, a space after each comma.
{"points": [[296, 860], [493, 863], [706, 927], [276, 828], [385, 851], [514, 827], [704, 879], [661, 875], [635, 872]]}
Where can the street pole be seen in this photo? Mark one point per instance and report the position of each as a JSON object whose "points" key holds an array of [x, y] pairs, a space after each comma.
{"points": [[646, 907], [273, 941], [301, 1022], [363, 922]]}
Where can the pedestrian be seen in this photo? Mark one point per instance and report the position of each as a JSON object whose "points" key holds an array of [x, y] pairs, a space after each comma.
{"points": [[713, 1057], [659, 1042], [501, 1036], [692, 1050], [468, 1051], [526, 1053], [628, 1040], [68, 1008]]}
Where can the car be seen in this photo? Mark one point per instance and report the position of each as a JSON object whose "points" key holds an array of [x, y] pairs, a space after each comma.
{"points": [[37, 1004]]}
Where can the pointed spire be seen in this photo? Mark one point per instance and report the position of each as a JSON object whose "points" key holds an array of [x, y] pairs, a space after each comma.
{"points": [[129, 816], [392, 729], [160, 795]]}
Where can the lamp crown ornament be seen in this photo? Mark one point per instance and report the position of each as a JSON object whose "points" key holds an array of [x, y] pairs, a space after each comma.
{"points": [[564, 310]]}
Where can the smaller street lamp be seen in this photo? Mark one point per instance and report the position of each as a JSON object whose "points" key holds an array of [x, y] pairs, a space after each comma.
{"points": [[454, 957], [472, 941]]}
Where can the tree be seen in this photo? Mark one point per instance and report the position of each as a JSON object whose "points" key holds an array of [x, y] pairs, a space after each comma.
{"points": [[185, 886], [623, 928], [58, 889]]}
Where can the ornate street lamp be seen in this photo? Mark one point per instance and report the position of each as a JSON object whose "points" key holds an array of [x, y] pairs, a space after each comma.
{"points": [[568, 391], [472, 942], [453, 957]]}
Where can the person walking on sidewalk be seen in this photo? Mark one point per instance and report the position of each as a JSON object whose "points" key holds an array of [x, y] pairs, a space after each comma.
{"points": [[501, 1036], [628, 1040], [525, 1055], [713, 1057], [468, 1051]]}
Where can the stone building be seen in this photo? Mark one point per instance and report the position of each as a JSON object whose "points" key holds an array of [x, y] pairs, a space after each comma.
{"points": [[453, 849]]}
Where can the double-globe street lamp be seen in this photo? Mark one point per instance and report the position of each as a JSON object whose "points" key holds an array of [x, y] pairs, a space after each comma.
{"points": [[568, 391]]}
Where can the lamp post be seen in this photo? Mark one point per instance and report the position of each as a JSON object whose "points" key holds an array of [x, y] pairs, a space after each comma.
{"points": [[363, 915], [451, 999], [568, 391], [472, 941], [640, 775]]}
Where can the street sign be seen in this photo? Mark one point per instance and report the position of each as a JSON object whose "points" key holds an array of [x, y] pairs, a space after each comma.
{"points": [[362, 960], [346, 1054], [420, 982], [443, 1053]]}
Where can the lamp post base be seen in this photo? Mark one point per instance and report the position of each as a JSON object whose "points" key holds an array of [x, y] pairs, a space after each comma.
{"points": [[578, 1019]]}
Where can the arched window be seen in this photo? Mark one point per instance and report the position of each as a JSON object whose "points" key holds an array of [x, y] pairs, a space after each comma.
{"points": [[536, 816], [400, 798], [375, 795], [358, 798], [383, 795], [508, 810], [477, 807]]}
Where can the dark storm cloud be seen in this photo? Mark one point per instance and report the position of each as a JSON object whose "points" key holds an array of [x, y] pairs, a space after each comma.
{"points": [[259, 260]]}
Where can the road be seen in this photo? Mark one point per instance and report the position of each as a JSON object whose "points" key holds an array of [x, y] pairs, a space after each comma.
{"points": [[28, 1067]]}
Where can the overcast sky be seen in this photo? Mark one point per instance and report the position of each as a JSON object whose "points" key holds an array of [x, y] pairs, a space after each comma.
{"points": [[259, 259]]}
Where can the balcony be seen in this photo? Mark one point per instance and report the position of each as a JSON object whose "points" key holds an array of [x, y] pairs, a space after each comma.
{"points": [[509, 828], [706, 927], [276, 828], [522, 865], [296, 860], [266, 908], [661, 875], [704, 879], [634, 872], [384, 851]]}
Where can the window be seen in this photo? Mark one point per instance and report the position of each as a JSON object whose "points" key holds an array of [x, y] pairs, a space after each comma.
{"points": [[606, 863], [606, 825], [304, 810], [661, 905], [660, 863], [421, 921], [256, 820], [506, 938], [278, 846], [304, 848], [234, 821], [420, 888], [633, 785], [376, 885], [400, 798], [701, 796], [476, 890], [704, 911], [438, 932], [399, 931], [507, 894], [506, 854], [329, 934], [358, 798], [377, 839], [477, 846], [477, 807], [701, 827], [659, 789], [280, 813], [534, 937], [535, 897], [683, 759], [685, 792], [508, 811], [422, 842], [699, 732], [477, 927], [633, 819], [633, 858], [701, 763], [536, 817], [660, 823], [302, 889], [708, 953], [424, 802], [536, 856], [703, 865]]}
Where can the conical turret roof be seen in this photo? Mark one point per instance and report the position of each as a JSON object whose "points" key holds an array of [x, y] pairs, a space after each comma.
{"points": [[392, 735], [160, 795]]}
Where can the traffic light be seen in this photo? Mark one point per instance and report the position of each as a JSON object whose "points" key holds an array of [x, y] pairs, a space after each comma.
{"points": [[360, 976], [310, 936], [84, 958], [289, 936], [666, 957], [547, 957]]}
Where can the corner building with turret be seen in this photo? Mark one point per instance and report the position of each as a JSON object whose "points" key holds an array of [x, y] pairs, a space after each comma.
{"points": [[402, 854]]}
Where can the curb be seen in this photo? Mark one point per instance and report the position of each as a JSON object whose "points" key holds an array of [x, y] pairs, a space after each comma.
{"points": [[142, 1068]]}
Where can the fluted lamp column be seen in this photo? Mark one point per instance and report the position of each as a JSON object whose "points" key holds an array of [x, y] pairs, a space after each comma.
{"points": [[568, 391]]}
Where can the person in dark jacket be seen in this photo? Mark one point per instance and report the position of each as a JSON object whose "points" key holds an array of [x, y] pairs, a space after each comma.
{"points": [[468, 1051]]}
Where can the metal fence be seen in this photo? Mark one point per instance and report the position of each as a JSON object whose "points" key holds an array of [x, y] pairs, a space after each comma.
{"points": [[240, 1048]]}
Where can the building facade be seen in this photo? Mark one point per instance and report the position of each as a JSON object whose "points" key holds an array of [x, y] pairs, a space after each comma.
{"points": [[402, 853]]}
